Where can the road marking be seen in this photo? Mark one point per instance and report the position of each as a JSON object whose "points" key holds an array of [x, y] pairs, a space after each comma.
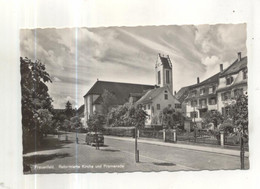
{"points": [[183, 166]]}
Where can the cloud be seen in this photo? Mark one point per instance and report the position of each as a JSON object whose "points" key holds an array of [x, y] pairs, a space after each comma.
{"points": [[55, 79], [75, 58]]}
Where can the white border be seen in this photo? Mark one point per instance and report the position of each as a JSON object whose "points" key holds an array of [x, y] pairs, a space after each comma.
{"points": [[96, 13]]}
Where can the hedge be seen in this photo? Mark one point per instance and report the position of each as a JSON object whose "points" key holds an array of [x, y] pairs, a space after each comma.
{"points": [[119, 131]]}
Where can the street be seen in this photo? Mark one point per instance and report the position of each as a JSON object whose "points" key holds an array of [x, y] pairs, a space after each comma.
{"points": [[118, 156]]}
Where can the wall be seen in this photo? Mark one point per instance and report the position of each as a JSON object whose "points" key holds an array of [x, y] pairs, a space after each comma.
{"points": [[163, 103], [88, 101]]}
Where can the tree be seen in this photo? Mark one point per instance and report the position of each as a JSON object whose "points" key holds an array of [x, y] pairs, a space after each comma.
{"points": [[95, 122], [170, 119], [108, 100], [239, 115], [214, 117], [68, 110], [76, 122], [36, 101]]}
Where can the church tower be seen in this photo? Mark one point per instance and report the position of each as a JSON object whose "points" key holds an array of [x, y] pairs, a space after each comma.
{"points": [[163, 71]]}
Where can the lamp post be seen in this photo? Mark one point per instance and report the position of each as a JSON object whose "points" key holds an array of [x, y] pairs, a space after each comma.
{"points": [[195, 126], [136, 150], [242, 149]]}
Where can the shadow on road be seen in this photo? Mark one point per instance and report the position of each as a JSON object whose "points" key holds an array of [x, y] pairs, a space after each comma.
{"points": [[36, 159], [110, 150], [164, 164], [48, 143]]}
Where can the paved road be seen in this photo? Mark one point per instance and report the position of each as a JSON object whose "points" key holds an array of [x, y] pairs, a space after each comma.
{"points": [[118, 156]]}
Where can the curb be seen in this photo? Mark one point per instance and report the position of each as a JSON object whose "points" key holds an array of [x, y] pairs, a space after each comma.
{"points": [[185, 146]]}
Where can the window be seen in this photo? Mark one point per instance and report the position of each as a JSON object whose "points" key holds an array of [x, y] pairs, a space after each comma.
{"points": [[203, 102], [226, 96], [167, 76], [202, 91], [152, 109], [229, 80], [177, 106], [159, 77], [194, 103], [144, 107], [165, 96], [238, 92], [169, 105], [193, 93], [212, 101], [194, 114], [245, 74], [226, 111], [149, 106], [212, 90], [149, 117], [158, 106]]}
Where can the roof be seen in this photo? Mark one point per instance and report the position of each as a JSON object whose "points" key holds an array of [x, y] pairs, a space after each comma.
{"points": [[182, 94], [210, 80], [80, 110], [166, 62], [120, 90], [98, 100], [235, 67], [136, 94], [150, 95]]}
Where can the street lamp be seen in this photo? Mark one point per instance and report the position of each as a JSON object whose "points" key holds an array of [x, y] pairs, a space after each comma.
{"points": [[242, 149], [195, 126]]}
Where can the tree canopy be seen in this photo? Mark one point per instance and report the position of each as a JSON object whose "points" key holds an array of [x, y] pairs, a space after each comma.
{"points": [[36, 101], [169, 118], [214, 117], [95, 122], [69, 112], [239, 114]]}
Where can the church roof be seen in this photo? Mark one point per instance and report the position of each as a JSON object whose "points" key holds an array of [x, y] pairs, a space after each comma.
{"points": [[120, 90], [165, 61], [80, 111]]}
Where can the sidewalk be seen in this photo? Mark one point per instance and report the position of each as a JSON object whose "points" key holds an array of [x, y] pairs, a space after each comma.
{"points": [[218, 150]]}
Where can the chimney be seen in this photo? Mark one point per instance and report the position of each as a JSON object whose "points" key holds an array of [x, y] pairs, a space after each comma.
{"points": [[238, 56], [221, 67], [198, 80]]}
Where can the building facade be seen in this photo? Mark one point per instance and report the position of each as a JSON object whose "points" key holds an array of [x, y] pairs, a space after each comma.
{"points": [[121, 91], [153, 98], [216, 92]]}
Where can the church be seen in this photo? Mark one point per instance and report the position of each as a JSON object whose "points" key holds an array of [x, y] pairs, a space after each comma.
{"points": [[153, 98]]}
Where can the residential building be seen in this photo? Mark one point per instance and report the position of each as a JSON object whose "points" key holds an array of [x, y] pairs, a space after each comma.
{"points": [[232, 82], [201, 98], [155, 100], [216, 92]]}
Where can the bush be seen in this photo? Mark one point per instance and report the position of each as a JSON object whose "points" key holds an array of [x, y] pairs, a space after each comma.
{"points": [[119, 131]]}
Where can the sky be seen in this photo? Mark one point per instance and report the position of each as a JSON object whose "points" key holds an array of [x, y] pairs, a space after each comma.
{"points": [[76, 57]]}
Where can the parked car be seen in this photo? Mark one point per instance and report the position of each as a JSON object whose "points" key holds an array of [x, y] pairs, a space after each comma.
{"points": [[93, 139]]}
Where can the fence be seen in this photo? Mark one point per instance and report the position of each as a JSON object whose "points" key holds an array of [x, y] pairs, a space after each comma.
{"points": [[119, 131], [201, 137], [151, 134]]}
